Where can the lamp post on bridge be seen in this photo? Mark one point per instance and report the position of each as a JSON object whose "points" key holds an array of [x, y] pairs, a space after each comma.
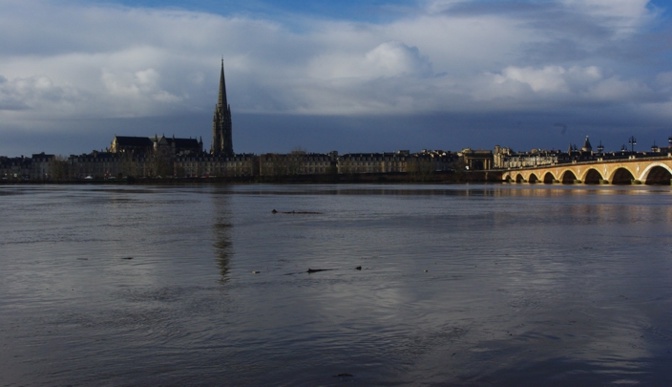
{"points": [[632, 141]]}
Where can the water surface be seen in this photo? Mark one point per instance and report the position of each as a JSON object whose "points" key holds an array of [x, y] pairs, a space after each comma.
{"points": [[422, 285]]}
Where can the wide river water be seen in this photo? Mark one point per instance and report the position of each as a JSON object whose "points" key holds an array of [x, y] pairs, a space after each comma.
{"points": [[412, 285]]}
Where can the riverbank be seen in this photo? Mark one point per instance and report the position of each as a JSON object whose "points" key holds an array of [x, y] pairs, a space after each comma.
{"points": [[450, 177]]}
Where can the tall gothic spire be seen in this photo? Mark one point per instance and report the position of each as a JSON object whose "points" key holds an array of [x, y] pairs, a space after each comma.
{"points": [[222, 88], [222, 128]]}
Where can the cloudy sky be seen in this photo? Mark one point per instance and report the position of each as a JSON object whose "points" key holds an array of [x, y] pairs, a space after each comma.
{"points": [[348, 75]]}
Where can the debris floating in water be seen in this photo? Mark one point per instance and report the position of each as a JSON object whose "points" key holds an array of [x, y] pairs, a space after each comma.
{"points": [[296, 212], [309, 271]]}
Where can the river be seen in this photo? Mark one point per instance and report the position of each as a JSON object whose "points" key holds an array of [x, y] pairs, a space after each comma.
{"points": [[342, 285]]}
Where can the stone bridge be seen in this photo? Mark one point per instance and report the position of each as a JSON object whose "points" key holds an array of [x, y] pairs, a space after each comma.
{"points": [[649, 170]]}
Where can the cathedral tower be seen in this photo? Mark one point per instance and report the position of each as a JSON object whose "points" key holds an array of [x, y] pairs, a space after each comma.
{"points": [[222, 142]]}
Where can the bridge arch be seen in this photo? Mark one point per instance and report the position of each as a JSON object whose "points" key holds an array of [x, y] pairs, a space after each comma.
{"points": [[592, 176], [549, 178], [533, 179], [621, 176], [657, 173], [568, 177], [520, 178]]}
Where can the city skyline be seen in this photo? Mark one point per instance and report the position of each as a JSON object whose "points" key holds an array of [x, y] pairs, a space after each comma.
{"points": [[368, 76]]}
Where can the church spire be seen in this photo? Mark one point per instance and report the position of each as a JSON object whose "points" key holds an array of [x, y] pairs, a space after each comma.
{"points": [[222, 89], [222, 128]]}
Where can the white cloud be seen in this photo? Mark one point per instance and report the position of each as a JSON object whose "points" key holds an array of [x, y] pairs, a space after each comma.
{"points": [[139, 85], [614, 89], [392, 59], [36, 93], [559, 85], [463, 44], [550, 79], [388, 59]]}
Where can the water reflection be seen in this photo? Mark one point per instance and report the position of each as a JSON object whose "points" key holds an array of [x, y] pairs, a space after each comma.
{"points": [[222, 228], [223, 247]]}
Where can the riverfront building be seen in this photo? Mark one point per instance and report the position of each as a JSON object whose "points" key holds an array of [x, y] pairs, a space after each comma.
{"points": [[147, 146]]}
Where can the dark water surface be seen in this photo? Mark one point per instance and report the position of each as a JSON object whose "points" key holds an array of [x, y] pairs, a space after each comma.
{"points": [[459, 285]]}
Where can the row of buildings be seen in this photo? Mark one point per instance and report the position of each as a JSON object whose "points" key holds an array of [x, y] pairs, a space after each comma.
{"points": [[161, 157], [159, 164], [505, 158]]}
